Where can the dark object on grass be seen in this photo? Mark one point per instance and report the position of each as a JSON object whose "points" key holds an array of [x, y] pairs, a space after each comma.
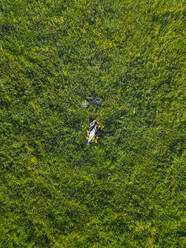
{"points": [[97, 101], [91, 100]]}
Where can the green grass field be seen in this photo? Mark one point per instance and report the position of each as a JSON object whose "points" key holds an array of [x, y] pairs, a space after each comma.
{"points": [[127, 191]]}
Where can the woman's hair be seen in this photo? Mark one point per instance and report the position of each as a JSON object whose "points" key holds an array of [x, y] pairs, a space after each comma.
{"points": [[91, 118]]}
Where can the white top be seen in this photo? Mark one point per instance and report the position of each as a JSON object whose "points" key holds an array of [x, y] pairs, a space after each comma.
{"points": [[92, 134]]}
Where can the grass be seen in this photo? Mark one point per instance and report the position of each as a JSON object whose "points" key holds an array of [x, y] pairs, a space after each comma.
{"points": [[127, 191]]}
